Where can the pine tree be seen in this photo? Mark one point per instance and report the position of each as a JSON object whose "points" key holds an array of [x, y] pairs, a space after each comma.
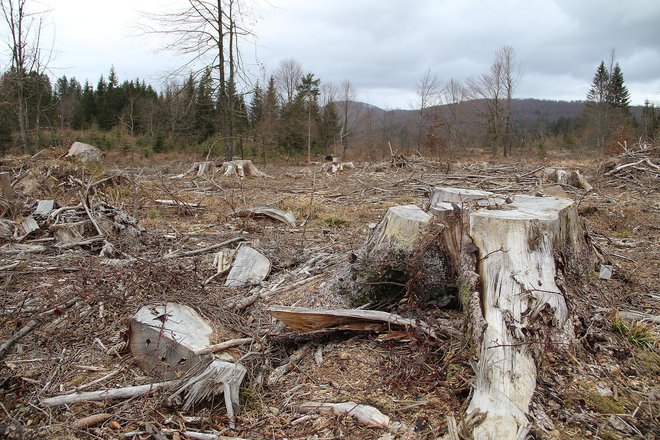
{"points": [[256, 105], [330, 125], [204, 113], [596, 108], [618, 95], [268, 122], [607, 106], [308, 91], [599, 91]]}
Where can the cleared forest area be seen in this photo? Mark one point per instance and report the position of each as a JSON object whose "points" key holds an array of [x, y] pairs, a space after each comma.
{"points": [[315, 328]]}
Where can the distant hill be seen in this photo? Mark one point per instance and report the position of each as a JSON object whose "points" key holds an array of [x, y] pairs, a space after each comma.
{"points": [[524, 110]]}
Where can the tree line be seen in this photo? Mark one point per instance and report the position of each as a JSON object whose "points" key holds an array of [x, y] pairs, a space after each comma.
{"points": [[217, 105]]}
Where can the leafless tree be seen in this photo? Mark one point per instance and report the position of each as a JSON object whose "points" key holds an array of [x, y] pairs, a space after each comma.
{"points": [[505, 57], [453, 96], [495, 89], [287, 78], [24, 29], [349, 113], [208, 33], [427, 89]]}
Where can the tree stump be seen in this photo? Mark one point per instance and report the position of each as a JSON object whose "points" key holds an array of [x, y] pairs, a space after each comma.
{"points": [[165, 339], [523, 246], [241, 168]]}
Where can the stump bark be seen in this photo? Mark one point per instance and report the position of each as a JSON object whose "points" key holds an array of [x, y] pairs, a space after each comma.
{"points": [[525, 248]]}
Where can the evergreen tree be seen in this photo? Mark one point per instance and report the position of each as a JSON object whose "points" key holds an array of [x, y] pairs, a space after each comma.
{"points": [[266, 129], [256, 105], [618, 95], [308, 92], [330, 125], [599, 91], [204, 112], [607, 106]]}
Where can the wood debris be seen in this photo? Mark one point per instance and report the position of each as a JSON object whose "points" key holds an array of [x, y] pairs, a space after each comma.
{"points": [[306, 319], [277, 214], [250, 267], [365, 414]]}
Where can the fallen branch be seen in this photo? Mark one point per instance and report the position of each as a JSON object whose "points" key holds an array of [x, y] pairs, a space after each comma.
{"points": [[111, 394], [31, 325], [632, 164], [180, 253], [224, 346], [248, 301]]}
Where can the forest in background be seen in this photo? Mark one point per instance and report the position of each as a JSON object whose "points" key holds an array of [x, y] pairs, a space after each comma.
{"points": [[218, 108]]}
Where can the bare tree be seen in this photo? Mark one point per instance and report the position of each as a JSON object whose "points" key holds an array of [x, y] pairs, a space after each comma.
{"points": [[453, 96], [24, 38], [287, 78], [505, 57], [427, 89], [495, 90], [349, 113], [208, 33]]}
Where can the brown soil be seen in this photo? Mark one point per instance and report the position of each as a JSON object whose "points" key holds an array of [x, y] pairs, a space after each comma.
{"points": [[604, 387]]}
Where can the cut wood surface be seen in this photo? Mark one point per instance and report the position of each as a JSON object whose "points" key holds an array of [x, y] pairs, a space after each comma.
{"points": [[307, 319]]}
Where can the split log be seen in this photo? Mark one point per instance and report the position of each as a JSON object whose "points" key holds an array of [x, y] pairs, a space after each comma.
{"points": [[523, 247], [44, 208], [241, 168], [306, 319], [219, 377]]}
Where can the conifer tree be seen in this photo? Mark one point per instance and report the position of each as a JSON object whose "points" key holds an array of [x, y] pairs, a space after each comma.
{"points": [[618, 94], [599, 91]]}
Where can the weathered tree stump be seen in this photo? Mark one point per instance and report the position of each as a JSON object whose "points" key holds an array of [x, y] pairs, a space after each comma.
{"points": [[241, 168], [165, 339], [523, 246]]}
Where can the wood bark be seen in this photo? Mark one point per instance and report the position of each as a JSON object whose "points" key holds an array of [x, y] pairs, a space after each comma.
{"points": [[524, 245]]}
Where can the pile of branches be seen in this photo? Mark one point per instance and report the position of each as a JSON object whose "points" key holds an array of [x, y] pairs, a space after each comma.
{"points": [[639, 165]]}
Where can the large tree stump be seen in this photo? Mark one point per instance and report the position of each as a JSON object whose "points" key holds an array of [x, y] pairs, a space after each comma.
{"points": [[523, 245]]}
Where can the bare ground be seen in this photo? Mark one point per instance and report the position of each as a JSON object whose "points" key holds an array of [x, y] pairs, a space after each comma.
{"points": [[605, 387]]}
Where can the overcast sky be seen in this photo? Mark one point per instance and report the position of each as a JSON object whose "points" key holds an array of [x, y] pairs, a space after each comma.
{"points": [[384, 47]]}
